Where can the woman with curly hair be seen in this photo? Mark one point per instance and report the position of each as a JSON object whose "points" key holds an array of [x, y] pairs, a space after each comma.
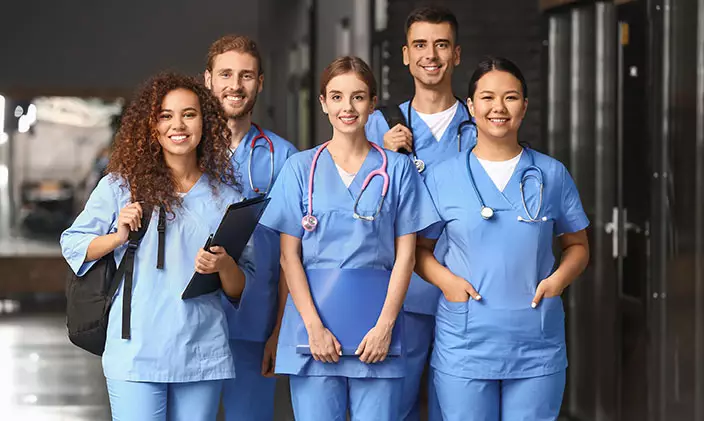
{"points": [[170, 355]]}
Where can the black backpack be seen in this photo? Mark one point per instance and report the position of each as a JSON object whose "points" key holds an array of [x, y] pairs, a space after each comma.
{"points": [[89, 297], [393, 116]]}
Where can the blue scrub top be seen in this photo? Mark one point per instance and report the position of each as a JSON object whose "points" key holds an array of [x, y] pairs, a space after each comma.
{"points": [[501, 336], [422, 296], [255, 317], [341, 241], [172, 340]]}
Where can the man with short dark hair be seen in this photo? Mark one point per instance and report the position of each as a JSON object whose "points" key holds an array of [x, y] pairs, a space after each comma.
{"points": [[431, 130]]}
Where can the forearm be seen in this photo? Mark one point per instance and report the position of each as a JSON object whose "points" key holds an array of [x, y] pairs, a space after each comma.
{"points": [[398, 286], [283, 295], [297, 284], [233, 280], [573, 262], [100, 246], [428, 267]]}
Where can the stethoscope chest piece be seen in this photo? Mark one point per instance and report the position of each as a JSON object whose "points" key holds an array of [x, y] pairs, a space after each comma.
{"points": [[486, 212], [309, 223], [420, 165]]}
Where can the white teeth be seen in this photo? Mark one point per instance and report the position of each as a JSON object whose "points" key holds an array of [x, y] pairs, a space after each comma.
{"points": [[348, 119], [178, 137], [431, 68], [234, 98], [498, 120]]}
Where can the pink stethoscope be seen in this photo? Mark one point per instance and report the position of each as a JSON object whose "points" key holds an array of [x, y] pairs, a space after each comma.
{"points": [[310, 222]]}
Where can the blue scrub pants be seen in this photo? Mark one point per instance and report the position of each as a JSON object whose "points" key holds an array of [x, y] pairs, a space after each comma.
{"points": [[419, 336], [143, 401], [321, 398], [249, 396], [529, 399]]}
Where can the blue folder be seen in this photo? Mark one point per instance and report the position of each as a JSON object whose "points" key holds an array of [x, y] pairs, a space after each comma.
{"points": [[349, 302]]}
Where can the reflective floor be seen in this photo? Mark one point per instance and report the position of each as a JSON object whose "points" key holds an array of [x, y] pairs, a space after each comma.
{"points": [[43, 377]]}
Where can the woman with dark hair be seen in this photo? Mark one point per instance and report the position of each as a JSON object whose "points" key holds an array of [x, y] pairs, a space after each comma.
{"points": [[171, 164], [348, 212], [499, 341]]}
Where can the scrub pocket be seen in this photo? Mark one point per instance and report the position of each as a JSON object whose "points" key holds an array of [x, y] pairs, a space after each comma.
{"points": [[552, 319], [451, 320], [488, 324]]}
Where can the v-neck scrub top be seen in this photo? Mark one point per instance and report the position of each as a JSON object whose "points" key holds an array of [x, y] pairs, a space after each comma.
{"points": [[340, 240], [501, 336]]}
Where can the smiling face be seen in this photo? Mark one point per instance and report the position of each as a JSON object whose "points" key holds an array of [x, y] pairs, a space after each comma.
{"points": [[180, 123], [235, 81], [347, 102], [498, 106], [430, 52]]}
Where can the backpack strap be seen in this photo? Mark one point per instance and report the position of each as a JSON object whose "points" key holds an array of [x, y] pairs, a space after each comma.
{"points": [[393, 115], [162, 238], [126, 269]]}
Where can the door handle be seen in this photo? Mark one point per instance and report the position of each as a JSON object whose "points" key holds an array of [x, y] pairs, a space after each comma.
{"points": [[611, 227]]}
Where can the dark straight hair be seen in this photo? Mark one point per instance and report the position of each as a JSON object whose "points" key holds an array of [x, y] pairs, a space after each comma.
{"points": [[496, 63], [433, 14]]}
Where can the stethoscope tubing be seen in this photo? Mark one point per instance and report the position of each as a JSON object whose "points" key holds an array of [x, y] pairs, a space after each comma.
{"points": [[253, 146], [488, 213], [310, 222], [420, 165]]}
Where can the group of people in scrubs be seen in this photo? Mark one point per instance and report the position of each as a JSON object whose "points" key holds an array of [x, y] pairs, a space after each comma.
{"points": [[435, 237]]}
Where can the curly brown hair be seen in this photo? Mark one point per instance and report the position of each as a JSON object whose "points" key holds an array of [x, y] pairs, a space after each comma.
{"points": [[139, 159]]}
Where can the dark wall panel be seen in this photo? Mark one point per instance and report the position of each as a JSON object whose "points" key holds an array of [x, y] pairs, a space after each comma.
{"points": [[107, 47], [681, 163]]}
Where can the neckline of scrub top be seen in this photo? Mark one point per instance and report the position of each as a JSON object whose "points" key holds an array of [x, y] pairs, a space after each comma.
{"points": [[243, 146], [356, 185], [422, 134], [510, 198], [185, 194]]}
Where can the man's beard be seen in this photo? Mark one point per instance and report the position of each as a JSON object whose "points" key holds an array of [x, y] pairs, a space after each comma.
{"points": [[248, 107]]}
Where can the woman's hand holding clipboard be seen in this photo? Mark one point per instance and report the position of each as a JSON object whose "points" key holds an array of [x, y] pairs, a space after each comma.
{"points": [[233, 234]]}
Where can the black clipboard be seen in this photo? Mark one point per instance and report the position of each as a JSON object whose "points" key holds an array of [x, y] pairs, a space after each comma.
{"points": [[233, 233]]}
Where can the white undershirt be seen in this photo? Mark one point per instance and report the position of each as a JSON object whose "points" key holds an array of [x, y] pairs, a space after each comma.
{"points": [[346, 176], [500, 172], [439, 122]]}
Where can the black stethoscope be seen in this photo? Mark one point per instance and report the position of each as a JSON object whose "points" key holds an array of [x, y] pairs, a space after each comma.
{"points": [[420, 165], [487, 213]]}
